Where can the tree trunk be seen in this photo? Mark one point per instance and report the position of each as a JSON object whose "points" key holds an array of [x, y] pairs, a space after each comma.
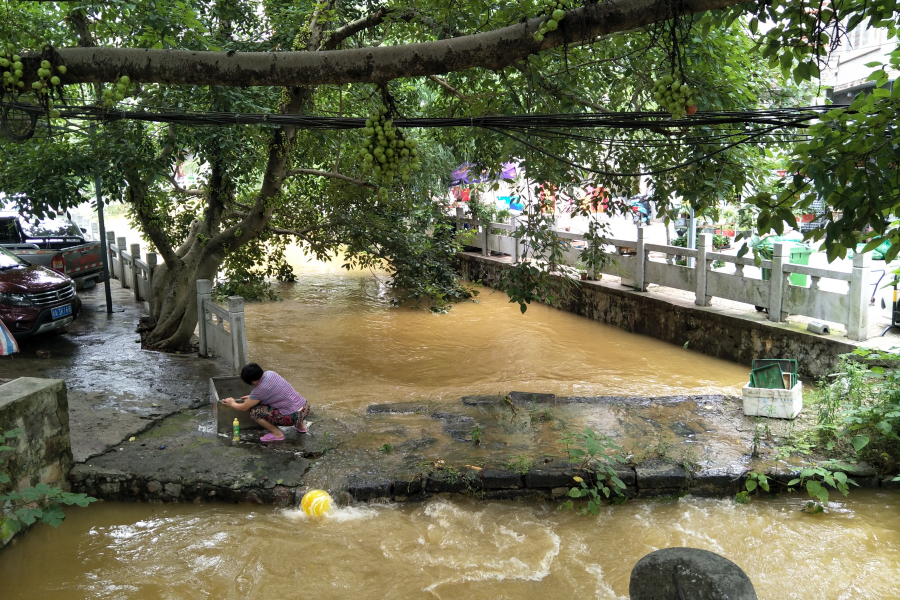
{"points": [[173, 299], [173, 306]]}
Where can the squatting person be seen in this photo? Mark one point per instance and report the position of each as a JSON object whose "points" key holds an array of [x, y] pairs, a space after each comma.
{"points": [[272, 402]]}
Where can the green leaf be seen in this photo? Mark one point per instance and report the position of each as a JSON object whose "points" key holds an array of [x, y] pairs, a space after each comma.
{"points": [[816, 491], [751, 485], [859, 442]]}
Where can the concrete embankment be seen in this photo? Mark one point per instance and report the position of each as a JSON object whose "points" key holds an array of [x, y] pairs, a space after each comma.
{"points": [[722, 333], [672, 446]]}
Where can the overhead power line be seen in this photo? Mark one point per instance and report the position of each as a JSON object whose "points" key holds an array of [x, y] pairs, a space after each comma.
{"points": [[779, 117]]}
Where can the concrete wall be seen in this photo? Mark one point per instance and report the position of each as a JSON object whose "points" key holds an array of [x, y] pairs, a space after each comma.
{"points": [[676, 321], [43, 454]]}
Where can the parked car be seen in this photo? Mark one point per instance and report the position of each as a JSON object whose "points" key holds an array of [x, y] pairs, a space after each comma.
{"points": [[34, 299], [54, 243]]}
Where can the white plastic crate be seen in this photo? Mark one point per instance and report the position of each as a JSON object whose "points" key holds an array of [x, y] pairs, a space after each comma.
{"points": [[781, 404]]}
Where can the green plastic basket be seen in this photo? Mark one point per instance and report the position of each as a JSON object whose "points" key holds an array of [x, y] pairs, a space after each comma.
{"points": [[769, 377], [788, 365]]}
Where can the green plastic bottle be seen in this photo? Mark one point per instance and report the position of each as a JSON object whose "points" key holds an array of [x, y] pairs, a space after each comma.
{"points": [[237, 430]]}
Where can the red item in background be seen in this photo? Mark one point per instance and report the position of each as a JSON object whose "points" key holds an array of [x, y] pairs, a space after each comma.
{"points": [[460, 194], [807, 218]]}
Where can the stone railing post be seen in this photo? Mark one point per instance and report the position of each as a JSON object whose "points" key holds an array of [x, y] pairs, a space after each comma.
{"points": [[110, 243], [858, 319], [777, 282], [151, 266], [640, 280], [204, 294], [121, 245], [135, 273], [486, 225], [704, 246], [95, 230], [238, 333]]}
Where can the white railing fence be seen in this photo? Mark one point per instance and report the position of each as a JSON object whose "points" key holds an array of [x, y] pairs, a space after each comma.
{"points": [[222, 331], [132, 272], [631, 261]]}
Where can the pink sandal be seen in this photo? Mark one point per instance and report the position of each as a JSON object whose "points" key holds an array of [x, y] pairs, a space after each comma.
{"points": [[303, 430], [271, 438]]}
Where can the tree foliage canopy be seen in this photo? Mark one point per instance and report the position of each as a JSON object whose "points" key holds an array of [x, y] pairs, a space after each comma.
{"points": [[263, 184]]}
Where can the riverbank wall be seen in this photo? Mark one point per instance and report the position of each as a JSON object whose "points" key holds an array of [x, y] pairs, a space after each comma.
{"points": [[41, 452], [720, 333]]}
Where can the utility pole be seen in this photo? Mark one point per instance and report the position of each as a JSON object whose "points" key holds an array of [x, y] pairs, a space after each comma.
{"points": [[103, 239]]}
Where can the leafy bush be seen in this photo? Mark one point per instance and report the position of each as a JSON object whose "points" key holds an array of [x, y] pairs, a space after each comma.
{"points": [[597, 453], [32, 504], [720, 241], [861, 405]]}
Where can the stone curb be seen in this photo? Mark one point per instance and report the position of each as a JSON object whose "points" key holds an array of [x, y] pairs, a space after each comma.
{"points": [[111, 484]]}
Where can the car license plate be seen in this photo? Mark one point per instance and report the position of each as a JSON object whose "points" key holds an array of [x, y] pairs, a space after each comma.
{"points": [[61, 311]]}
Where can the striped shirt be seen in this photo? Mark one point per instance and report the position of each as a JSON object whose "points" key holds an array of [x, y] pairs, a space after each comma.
{"points": [[274, 391]]}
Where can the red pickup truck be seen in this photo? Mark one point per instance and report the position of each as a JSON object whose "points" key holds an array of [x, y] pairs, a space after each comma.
{"points": [[57, 244], [34, 299]]}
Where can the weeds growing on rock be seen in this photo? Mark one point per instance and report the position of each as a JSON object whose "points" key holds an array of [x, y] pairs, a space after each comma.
{"points": [[521, 464], [599, 454]]}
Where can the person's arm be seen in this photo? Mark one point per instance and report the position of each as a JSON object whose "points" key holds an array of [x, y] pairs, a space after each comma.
{"points": [[241, 406]]}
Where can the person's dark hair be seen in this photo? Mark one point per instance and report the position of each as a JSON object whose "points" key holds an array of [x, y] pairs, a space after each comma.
{"points": [[251, 372]]}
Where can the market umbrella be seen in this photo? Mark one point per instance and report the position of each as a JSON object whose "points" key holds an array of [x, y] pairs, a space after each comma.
{"points": [[8, 343]]}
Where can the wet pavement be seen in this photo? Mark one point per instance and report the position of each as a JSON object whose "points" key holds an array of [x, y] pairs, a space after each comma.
{"points": [[115, 389]]}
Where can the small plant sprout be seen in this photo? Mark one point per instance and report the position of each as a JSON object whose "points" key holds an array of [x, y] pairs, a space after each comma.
{"points": [[476, 434]]}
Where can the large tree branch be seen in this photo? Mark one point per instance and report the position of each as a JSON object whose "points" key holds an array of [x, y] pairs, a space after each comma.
{"points": [[443, 83], [373, 20], [333, 175], [317, 27], [342, 33], [181, 190], [491, 50]]}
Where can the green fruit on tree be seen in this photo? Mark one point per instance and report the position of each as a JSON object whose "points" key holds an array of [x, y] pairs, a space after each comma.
{"points": [[61, 69], [124, 79], [45, 64], [558, 15], [54, 80], [552, 25]]}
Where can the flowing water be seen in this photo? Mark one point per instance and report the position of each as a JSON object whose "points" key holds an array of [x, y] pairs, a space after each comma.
{"points": [[336, 337], [450, 550]]}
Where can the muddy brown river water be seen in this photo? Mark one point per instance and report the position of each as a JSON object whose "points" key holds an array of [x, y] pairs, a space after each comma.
{"points": [[337, 339], [461, 550]]}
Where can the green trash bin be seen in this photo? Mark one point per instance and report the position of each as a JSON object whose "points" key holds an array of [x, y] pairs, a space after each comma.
{"points": [[798, 254]]}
